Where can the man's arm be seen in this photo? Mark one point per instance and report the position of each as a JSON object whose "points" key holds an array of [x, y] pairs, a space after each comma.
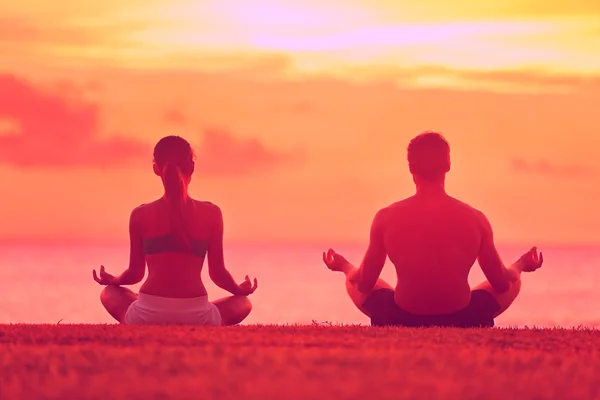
{"points": [[499, 277], [367, 275], [137, 260]]}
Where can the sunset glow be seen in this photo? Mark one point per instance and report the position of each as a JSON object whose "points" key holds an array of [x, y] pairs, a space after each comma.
{"points": [[300, 112]]}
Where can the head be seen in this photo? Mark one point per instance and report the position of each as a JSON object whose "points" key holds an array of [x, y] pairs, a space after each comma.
{"points": [[429, 158], [174, 163]]}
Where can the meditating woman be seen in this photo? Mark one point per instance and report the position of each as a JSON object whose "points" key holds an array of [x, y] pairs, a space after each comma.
{"points": [[173, 235]]}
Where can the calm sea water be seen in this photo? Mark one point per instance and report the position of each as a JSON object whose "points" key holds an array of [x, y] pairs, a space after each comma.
{"points": [[47, 284]]}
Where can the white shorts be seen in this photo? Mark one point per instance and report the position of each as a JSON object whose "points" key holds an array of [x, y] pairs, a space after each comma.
{"points": [[155, 310]]}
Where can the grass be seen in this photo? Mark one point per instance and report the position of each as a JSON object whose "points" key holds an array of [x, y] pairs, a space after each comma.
{"points": [[296, 362]]}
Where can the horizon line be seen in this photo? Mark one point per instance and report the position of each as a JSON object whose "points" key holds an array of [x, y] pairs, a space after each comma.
{"points": [[103, 241]]}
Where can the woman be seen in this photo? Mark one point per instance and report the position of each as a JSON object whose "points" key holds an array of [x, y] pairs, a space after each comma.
{"points": [[174, 235]]}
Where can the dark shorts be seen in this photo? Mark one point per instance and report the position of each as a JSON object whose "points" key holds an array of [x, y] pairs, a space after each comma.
{"points": [[384, 311]]}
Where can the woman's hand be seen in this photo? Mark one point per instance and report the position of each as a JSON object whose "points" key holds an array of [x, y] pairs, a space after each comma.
{"points": [[247, 288], [105, 278]]}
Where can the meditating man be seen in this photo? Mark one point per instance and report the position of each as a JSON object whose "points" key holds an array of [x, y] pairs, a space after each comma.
{"points": [[433, 240]]}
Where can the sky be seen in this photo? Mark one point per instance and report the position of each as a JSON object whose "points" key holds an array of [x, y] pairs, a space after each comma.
{"points": [[300, 112]]}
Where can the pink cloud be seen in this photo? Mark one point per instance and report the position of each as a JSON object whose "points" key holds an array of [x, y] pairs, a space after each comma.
{"points": [[223, 153], [56, 128], [175, 117], [49, 129], [545, 167]]}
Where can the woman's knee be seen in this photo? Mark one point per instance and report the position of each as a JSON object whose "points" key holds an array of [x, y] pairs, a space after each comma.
{"points": [[106, 294], [244, 304], [241, 308], [110, 294]]}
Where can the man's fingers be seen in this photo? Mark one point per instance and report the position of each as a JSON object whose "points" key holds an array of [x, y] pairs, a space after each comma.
{"points": [[541, 258], [255, 285], [328, 257], [95, 276]]}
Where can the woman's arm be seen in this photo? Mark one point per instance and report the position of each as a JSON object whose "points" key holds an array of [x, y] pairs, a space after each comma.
{"points": [[137, 260], [216, 262]]}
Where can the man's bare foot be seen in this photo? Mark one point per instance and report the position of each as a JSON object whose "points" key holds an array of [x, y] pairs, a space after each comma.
{"points": [[336, 262]]}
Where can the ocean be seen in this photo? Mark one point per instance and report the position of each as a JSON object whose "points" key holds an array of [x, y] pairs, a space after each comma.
{"points": [[52, 284]]}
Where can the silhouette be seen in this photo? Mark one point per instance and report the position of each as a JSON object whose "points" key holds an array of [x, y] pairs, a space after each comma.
{"points": [[173, 235], [433, 240]]}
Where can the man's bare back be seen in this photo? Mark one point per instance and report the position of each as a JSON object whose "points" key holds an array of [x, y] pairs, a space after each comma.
{"points": [[433, 241]]}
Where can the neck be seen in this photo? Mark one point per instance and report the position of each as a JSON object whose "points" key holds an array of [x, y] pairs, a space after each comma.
{"points": [[431, 188], [185, 194]]}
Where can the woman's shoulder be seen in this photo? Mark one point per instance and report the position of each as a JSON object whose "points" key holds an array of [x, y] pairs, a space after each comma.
{"points": [[144, 207], [207, 205]]}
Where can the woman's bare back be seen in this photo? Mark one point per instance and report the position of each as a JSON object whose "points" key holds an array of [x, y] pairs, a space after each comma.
{"points": [[175, 273]]}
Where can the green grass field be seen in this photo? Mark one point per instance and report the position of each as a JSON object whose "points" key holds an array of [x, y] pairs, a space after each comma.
{"points": [[296, 362]]}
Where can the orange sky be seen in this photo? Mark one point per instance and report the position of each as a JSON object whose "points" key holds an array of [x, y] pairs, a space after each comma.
{"points": [[300, 111]]}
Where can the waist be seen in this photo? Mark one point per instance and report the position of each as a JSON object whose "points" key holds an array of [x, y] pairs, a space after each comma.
{"points": [[173, 282], [171, 303], [433, 301]]}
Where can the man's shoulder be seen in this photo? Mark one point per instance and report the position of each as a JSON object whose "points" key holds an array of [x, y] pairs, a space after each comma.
{"points": [[467, 206], [477, 215], [391, 211], [398, 205]]}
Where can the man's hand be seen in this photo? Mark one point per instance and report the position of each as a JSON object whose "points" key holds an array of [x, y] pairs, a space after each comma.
{"points": [[531, 260], [335, 261], [105, 278]]}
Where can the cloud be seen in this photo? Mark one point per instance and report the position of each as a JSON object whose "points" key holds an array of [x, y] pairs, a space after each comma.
{"points": [[221, 153], [19, 30], [545, 167], [516, 80], [44, 128], [531, 78], [175, 117], [48, 129], [303, 107]]}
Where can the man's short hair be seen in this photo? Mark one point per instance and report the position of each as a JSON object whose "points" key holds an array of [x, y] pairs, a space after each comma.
{"points": [[429, 156]]}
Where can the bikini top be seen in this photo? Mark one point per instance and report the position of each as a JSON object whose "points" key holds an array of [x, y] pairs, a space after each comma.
{"points": [[169, 243]]}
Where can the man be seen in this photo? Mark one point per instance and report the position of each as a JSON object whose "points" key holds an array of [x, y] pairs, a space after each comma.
{"points": [[433, 241]]}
